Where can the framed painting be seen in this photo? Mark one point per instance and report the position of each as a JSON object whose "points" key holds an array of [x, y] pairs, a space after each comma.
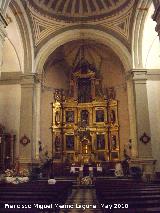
{"points": [[69, 116], [100, 142], [70, 142], [114, 155], [99, 115]]}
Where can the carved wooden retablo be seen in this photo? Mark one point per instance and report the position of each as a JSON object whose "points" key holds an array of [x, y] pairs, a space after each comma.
{"points": [[85, 120]]}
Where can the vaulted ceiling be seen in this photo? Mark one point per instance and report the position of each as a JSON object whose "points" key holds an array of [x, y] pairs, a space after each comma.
{"points": [[75, 10], [50, 18]]}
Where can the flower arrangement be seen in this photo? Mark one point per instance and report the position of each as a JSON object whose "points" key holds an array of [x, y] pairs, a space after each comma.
{"points": [[12, 177], [24, 173], [86, 180], [9, 173]]}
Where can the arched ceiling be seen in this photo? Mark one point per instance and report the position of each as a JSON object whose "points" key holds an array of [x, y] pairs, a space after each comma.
{"points": [[67, 56], [79, 10]]}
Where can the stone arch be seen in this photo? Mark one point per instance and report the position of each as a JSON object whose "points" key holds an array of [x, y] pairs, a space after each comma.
{"points": [[3, 6], [120, 50], [25, 33], [137, 33], [150, 42]]}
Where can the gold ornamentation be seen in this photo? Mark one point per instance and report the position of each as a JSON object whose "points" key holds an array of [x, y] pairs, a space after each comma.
{"points": [[87, 122]]}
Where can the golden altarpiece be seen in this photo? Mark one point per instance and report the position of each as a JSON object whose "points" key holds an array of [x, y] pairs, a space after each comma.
{"points": [[85, 121]]}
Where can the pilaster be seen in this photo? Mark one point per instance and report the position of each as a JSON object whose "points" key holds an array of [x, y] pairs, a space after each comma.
{"points": [[132, 115], [28, 118], [144, 148], [142, 112]]}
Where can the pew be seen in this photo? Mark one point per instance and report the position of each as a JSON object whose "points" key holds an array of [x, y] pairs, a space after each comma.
{"points": [[137, 195], [32, 193]]}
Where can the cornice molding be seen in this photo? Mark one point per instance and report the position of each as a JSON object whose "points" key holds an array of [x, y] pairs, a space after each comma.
{"points": [[30, 78], [143, 74], [19, 78]]}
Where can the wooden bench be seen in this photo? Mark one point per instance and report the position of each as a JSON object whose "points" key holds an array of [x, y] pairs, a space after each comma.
{"points": [[140, 197], [34, 193]]}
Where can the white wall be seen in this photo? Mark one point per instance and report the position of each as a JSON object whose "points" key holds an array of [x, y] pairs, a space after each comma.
{"points": [[13, 58], [10, 62], [150, 43], [153, 89]]}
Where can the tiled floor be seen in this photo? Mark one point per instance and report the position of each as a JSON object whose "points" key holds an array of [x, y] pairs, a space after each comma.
{"points": [[82, 200]]}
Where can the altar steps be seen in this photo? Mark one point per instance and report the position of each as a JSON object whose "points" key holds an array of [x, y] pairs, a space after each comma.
{"points": [[83, 200]]}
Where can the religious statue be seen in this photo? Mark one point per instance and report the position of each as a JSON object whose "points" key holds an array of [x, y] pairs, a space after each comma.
{"points": [[40, 146], [127, 149], [57, 117], [100, 142], [112, 116], [84, 118], [57, 95], [57, 143], [70, 142], [113, 142]]}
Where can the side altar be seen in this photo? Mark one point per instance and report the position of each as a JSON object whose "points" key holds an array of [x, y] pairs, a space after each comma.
{"points": [[85, 122]]}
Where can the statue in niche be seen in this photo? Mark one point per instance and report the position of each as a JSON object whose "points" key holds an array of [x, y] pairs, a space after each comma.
{"points": [[112, 116], [113, 142], [100, 142], [84, 90], [57, 143], [99, 116], [57, 117], [57, 95], [70, 142], [84, 118]]}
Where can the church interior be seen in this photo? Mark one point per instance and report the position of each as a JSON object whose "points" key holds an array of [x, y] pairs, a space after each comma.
{"points": [[80, 105]]}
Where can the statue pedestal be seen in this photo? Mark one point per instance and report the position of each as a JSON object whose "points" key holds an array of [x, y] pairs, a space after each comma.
{"points": [[147, 166]]}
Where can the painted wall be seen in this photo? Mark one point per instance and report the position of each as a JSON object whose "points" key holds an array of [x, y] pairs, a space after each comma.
{"points": [[153, 89], [10, 100], [57, 71]]}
